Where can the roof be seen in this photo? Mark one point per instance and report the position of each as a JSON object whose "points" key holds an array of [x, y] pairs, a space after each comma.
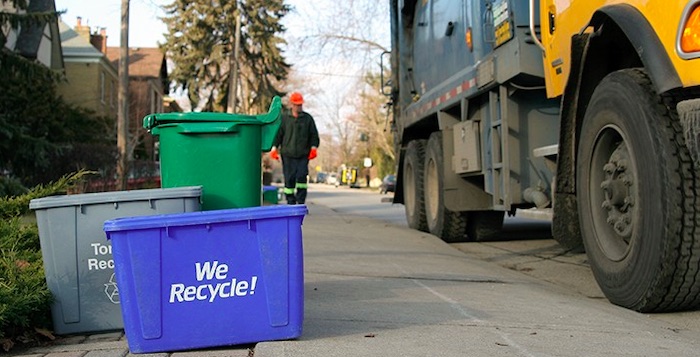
{"points": [[75, 45], [143, 61], [31, 35]]}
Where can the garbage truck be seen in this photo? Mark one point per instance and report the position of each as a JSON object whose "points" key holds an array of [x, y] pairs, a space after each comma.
{"points": [[585, 112]]}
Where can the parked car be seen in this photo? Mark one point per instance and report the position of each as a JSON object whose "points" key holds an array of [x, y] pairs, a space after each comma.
{"points": [[321, 177], [332, 179], [388, 184]]}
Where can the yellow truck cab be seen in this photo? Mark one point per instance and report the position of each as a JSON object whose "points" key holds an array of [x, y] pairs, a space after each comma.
{"points": [[587, 111], [663, 33]]}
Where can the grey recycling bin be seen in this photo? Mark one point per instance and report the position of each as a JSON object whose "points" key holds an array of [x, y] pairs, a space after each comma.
{"points": [[78, 257]]}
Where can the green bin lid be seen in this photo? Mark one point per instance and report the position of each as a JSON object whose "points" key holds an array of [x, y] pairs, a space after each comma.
{"points": [[153, 120]]}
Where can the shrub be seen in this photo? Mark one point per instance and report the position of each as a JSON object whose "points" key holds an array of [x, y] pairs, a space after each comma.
{"points": [[11, 187], [24, 296]]}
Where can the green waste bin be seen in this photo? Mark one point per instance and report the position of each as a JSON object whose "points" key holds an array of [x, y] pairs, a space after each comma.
{"points": [[220, 152]]}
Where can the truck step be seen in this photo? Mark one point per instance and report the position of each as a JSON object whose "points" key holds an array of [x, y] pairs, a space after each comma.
{"points": [[549, 150], [542, 214]]}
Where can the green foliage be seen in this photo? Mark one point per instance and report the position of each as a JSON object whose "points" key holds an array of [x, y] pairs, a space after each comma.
{"points": [[24, 103], [200, 43], [10, 186], [264, 66], [27, 19], [24, 297], [11, 207], [42, 137]]}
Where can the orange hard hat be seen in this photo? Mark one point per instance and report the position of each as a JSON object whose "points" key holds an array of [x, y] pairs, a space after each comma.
{"points": [[296, 98]]}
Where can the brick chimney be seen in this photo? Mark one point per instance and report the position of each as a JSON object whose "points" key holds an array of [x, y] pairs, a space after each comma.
{"points": [[82, 30], [99, 40]]}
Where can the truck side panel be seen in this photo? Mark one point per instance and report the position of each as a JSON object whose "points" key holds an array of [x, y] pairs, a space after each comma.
{"points": [[494, 87]]}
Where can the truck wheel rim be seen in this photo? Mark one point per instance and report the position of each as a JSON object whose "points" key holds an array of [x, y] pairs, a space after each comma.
{"points": [[431, 190], [409, 192], [613, 191]]}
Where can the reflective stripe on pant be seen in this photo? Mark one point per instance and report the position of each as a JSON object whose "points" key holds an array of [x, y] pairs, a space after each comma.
{"points": [[301, 191], [295, 172]]}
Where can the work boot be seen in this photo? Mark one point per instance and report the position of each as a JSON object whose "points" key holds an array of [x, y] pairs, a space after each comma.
{"points": [[291, 200], [301, 196]]}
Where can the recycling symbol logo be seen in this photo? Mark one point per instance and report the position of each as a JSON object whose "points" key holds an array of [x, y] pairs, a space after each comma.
{"points": [[111, 290]]}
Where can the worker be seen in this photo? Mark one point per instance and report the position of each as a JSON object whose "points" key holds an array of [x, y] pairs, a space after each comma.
{"points": [[296, 142]]}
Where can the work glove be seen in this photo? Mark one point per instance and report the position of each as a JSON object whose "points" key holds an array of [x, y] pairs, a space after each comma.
{"points": [[274, 154], [312, 154]]}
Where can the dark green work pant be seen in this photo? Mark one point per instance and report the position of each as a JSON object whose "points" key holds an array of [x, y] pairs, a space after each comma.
{"points": [[296, 172]]}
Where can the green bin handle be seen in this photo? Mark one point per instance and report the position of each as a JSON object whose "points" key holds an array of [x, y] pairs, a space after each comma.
{"points": [[274, 113], [272, 121]]}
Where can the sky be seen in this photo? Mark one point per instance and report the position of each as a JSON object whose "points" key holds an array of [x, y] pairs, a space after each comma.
{"points": [[324, 79], [145, 30]]}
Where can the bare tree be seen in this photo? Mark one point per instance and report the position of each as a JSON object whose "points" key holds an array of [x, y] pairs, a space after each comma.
{"points": [[357, 32], [373, 117], [344, 129], [333, 60]]}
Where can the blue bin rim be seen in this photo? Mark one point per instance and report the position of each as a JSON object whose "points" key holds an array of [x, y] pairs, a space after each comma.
{"points": [[203, 217], [83, 199]]}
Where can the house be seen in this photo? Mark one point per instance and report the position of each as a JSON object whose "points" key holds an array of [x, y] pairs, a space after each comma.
{"points": [[40, 42], [148, 90], [91, 79]]}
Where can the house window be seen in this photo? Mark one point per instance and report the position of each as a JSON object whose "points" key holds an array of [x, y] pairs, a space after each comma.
{"points": [[156, 102], [153, 101], [113, 95], [102, 87]]}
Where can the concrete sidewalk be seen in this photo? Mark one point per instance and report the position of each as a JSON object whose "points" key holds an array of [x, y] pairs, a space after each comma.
{"points": [[374, 289]]}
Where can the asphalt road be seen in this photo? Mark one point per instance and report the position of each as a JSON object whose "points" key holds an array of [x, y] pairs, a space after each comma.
{"points": [[525, 246]]}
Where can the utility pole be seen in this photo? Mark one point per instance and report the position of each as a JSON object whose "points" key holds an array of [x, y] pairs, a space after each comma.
{"points": [[233, 75], [123, 101]]}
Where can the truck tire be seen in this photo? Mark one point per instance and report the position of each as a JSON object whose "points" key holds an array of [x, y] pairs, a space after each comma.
{"points": [[447, 225], [483, 226], [637, 197], [413, 197]]}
